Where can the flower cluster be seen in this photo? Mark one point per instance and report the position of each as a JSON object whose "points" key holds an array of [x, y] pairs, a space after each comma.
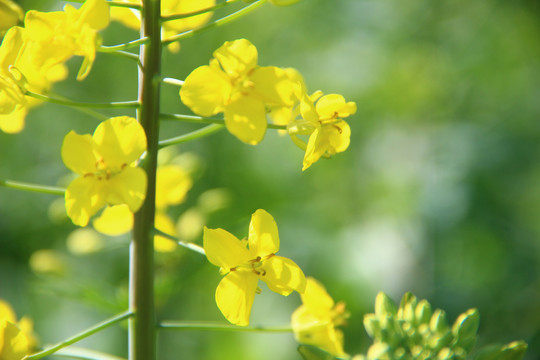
{"points": [[235, 85], [33, 57]]}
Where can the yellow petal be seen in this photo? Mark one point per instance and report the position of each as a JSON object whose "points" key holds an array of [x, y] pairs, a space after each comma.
{"points": [[245, 118], [78, 153], [316, 298], [10, 14], [14, 345], [206, 90], [114, 220], [172, 185], [171, 7], [263, 234], [84, 197], [274, 86], [95, 13], [237, 57], [120, 141], [334, 106], [13, 122], [128, 17], [223, 249], [283, 276], [235, 294], [128, 187]]}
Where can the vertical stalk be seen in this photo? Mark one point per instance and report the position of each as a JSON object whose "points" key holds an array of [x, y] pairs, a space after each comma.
{"points": [[142, 326]]}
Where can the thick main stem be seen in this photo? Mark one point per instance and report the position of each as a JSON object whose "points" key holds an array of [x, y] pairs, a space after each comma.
{"points": [[142, 327]]}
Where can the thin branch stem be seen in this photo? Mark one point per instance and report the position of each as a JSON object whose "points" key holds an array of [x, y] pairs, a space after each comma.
{"points": [[182, 325], [205, 120], [197, 134], [114, 3], [53, 190], [72, 352], [109, 105], [219, 22], [187, 245], [198, 12], [128, 45], [82, 335]]}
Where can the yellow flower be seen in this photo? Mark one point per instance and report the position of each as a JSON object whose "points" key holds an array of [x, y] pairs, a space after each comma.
{"points": [[322, 121], [245, 262], [106, 165], [11, 14], [70, 32], [172, 185], [131, 18], [315, 321], [235, 85], [18, 334]]}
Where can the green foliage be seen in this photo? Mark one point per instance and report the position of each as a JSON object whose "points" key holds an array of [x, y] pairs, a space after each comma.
{"points": [[415, 331]]}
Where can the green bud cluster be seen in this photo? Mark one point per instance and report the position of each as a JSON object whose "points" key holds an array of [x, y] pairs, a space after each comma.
{"points": [[415, 331]]}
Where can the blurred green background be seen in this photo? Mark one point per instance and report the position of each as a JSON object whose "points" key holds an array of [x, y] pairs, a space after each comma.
{"points": [[438, 193]]}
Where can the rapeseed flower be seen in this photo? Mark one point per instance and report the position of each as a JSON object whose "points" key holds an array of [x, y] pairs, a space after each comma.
{"points": [[106, 163], [322, 119], [244, 262], [70, 32], [234, 84], [315, 321]]}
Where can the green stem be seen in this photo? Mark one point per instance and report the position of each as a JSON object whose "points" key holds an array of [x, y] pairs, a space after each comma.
{"points": [[109, 105], [82, 335], [205, 120], [197, 134], [32, 187], [181, 325], [73, 352], [141, 331], [198, 12], [130, 44], [219, 22], [187, 245]]}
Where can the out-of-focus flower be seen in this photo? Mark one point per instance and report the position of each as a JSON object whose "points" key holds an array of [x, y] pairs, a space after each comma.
{"points": [[106, 163], [19, 334], [131, 18], [244, 262], [315, 321], [234, 84]]}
